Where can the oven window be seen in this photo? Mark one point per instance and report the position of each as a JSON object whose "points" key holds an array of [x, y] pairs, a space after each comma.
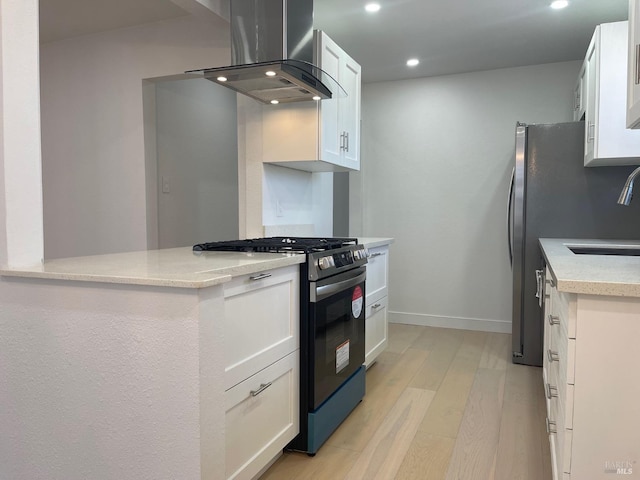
{"points": [[339, 341]]}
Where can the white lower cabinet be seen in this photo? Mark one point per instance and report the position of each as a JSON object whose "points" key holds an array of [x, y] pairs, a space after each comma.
{"points": [[593, 413], [262, 324], [376, 326], [261, 417]]}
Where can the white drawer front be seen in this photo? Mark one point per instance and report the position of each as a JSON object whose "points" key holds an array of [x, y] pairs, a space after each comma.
{"points": [[377, 273], [375, 329], [261, 321], [259, 425]]}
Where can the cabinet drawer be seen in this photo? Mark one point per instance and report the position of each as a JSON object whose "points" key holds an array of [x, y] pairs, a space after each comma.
{"points": [[375, 329], [261, 417], [261, 321], [377, 273]]}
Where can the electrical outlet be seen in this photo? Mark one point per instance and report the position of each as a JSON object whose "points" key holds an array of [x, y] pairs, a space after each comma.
{"points": [[165, 184]]}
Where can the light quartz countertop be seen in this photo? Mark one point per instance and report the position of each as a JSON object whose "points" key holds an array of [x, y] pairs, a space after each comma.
{"points": [[171, 267], [592, 274], [372, 242]]}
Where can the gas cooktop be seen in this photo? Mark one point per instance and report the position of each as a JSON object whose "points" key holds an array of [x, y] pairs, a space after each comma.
{"points": [[277, 245]]}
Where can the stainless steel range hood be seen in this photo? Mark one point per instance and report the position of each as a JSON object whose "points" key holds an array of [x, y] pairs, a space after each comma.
{"points": [[272, 53]]}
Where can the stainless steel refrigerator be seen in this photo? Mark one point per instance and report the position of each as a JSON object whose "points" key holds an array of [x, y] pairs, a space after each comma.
{"points": [[553, 195]]}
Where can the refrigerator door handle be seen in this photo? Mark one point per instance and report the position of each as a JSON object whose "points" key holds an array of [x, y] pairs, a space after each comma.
{"points": [[510, 216]]}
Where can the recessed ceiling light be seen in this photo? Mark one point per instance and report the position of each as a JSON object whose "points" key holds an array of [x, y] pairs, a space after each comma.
{"points": [[412, 62], [275, 102], [559, 4], [222, 79], [372, 7], [270, 73]]}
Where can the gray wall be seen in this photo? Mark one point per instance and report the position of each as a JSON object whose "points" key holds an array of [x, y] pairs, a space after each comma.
{"points": [[436, 163], [197, 152]]}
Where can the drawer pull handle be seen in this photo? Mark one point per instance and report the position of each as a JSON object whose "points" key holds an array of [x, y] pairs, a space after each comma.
{"points": [[263, 387], [551, 427], [551, 391], [551, 282], [553, 319], [553, 356], [376, 306], [377, 254], [260, 277]]}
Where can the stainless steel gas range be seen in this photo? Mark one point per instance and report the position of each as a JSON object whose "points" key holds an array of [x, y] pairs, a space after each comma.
{"points": [[332, 328]]}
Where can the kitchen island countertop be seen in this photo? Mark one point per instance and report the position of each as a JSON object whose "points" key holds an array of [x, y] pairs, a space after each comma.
{"points": [[615, 275], [171, 267]]}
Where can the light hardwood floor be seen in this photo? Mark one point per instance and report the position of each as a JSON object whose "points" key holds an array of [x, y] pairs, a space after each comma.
{"points": [[441, 404]]}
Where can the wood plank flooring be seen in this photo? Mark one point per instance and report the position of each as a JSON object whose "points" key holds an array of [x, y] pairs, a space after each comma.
{"points": [[441, 404]]}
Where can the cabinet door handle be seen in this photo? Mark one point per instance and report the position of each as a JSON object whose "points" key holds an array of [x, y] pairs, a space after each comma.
{"points": [[551, 391], [539, 283], [591, 131], [346, 134], [577, 107], [263, 387], [260, 277], [637, 79], [553, 356], [553, 319], [373, 255], [375, 306], [551, 426], [551, 282], [342, 141]]}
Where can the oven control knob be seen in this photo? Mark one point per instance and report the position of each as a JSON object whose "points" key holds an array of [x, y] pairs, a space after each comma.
{"points": [[325, 262]]}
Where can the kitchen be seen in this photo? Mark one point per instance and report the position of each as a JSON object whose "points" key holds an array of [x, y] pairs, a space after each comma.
{"points": [[462, 230]]}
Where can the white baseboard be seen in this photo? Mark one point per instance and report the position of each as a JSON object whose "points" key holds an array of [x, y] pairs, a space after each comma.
{"points": [[479, 324]]}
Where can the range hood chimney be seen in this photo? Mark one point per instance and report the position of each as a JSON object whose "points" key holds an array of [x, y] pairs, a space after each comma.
{"points": [[272, 53]]}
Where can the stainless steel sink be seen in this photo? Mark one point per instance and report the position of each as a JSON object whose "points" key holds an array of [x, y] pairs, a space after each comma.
{"points": [[623, 250]]}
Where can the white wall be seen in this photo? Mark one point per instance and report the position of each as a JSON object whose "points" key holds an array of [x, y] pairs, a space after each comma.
{"points": [[110, 381], [92, 127], [197, 156], [436, 161], [293, 198]]}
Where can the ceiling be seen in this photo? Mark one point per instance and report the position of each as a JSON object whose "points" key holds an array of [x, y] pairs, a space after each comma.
{"points": [[447, 36]]}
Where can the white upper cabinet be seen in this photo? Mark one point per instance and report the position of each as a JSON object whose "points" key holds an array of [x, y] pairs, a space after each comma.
{"points": [[607, 140], [633, 79], [319, 136]]}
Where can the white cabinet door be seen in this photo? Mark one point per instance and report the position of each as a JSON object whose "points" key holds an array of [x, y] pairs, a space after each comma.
{"points": [[591, 99], [579, 94], [330, 59], [350, 112], [633, 66], [607, 140], [261, 417], [261, 321]]}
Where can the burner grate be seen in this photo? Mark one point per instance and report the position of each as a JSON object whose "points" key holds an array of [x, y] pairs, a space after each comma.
{"points": [[277, 245]]}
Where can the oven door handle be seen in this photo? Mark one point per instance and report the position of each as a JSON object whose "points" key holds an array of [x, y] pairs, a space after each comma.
{"points": [[324, 291]]}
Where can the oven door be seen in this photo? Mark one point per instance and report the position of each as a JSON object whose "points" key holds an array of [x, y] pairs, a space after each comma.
{"points": [[337, 328]]}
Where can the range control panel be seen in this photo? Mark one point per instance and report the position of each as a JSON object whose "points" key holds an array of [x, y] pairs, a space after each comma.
{"points": [[324, 264]]}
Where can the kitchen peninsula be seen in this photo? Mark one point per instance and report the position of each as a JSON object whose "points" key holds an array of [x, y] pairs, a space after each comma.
{"points": [[591, 337], [130, 365]]}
